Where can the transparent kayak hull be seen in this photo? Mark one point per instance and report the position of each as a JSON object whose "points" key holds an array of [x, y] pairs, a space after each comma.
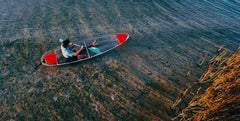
{"points": [[104, 44]]}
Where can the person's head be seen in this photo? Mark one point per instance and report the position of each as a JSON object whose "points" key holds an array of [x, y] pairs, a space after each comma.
{"points": [[66, 43]]}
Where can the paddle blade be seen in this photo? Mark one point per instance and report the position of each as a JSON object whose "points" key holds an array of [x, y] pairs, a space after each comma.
{"points": [[121, 38], [51, 58], [94, 49]]}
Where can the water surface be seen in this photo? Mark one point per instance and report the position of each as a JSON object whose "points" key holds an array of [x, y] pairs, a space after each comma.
{"points": [[137, 81]]}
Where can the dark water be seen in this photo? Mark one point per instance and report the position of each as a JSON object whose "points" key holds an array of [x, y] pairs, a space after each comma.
{"points": [[137, 81]]}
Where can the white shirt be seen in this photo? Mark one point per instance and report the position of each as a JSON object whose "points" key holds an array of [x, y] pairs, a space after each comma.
{"points": [[67, 53]]}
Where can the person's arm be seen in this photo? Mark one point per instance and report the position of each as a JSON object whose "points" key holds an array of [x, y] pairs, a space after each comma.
{"points": [[78, 51]]}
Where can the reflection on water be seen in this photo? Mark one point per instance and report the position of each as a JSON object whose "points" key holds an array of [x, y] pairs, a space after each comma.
{"points": [[137, 81]]}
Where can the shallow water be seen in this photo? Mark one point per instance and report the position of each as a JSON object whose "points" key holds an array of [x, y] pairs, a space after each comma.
{"points": [[137, 81]]}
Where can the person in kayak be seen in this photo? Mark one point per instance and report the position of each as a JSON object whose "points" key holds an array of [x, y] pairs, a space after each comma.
{"points": [[72, 55]]}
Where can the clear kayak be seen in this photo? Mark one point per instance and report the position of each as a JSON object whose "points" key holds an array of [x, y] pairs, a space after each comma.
{"points": [[103, 44]]}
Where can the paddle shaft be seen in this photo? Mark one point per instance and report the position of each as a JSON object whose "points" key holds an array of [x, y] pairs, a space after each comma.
{"points": [[86, 49], [37, 66]]}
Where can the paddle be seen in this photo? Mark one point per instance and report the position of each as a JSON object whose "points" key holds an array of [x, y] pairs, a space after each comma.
{"points": [[92, 49], [37, 66]]}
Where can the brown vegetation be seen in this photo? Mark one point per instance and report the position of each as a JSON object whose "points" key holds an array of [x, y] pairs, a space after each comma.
{"points": [[221, 100]]}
